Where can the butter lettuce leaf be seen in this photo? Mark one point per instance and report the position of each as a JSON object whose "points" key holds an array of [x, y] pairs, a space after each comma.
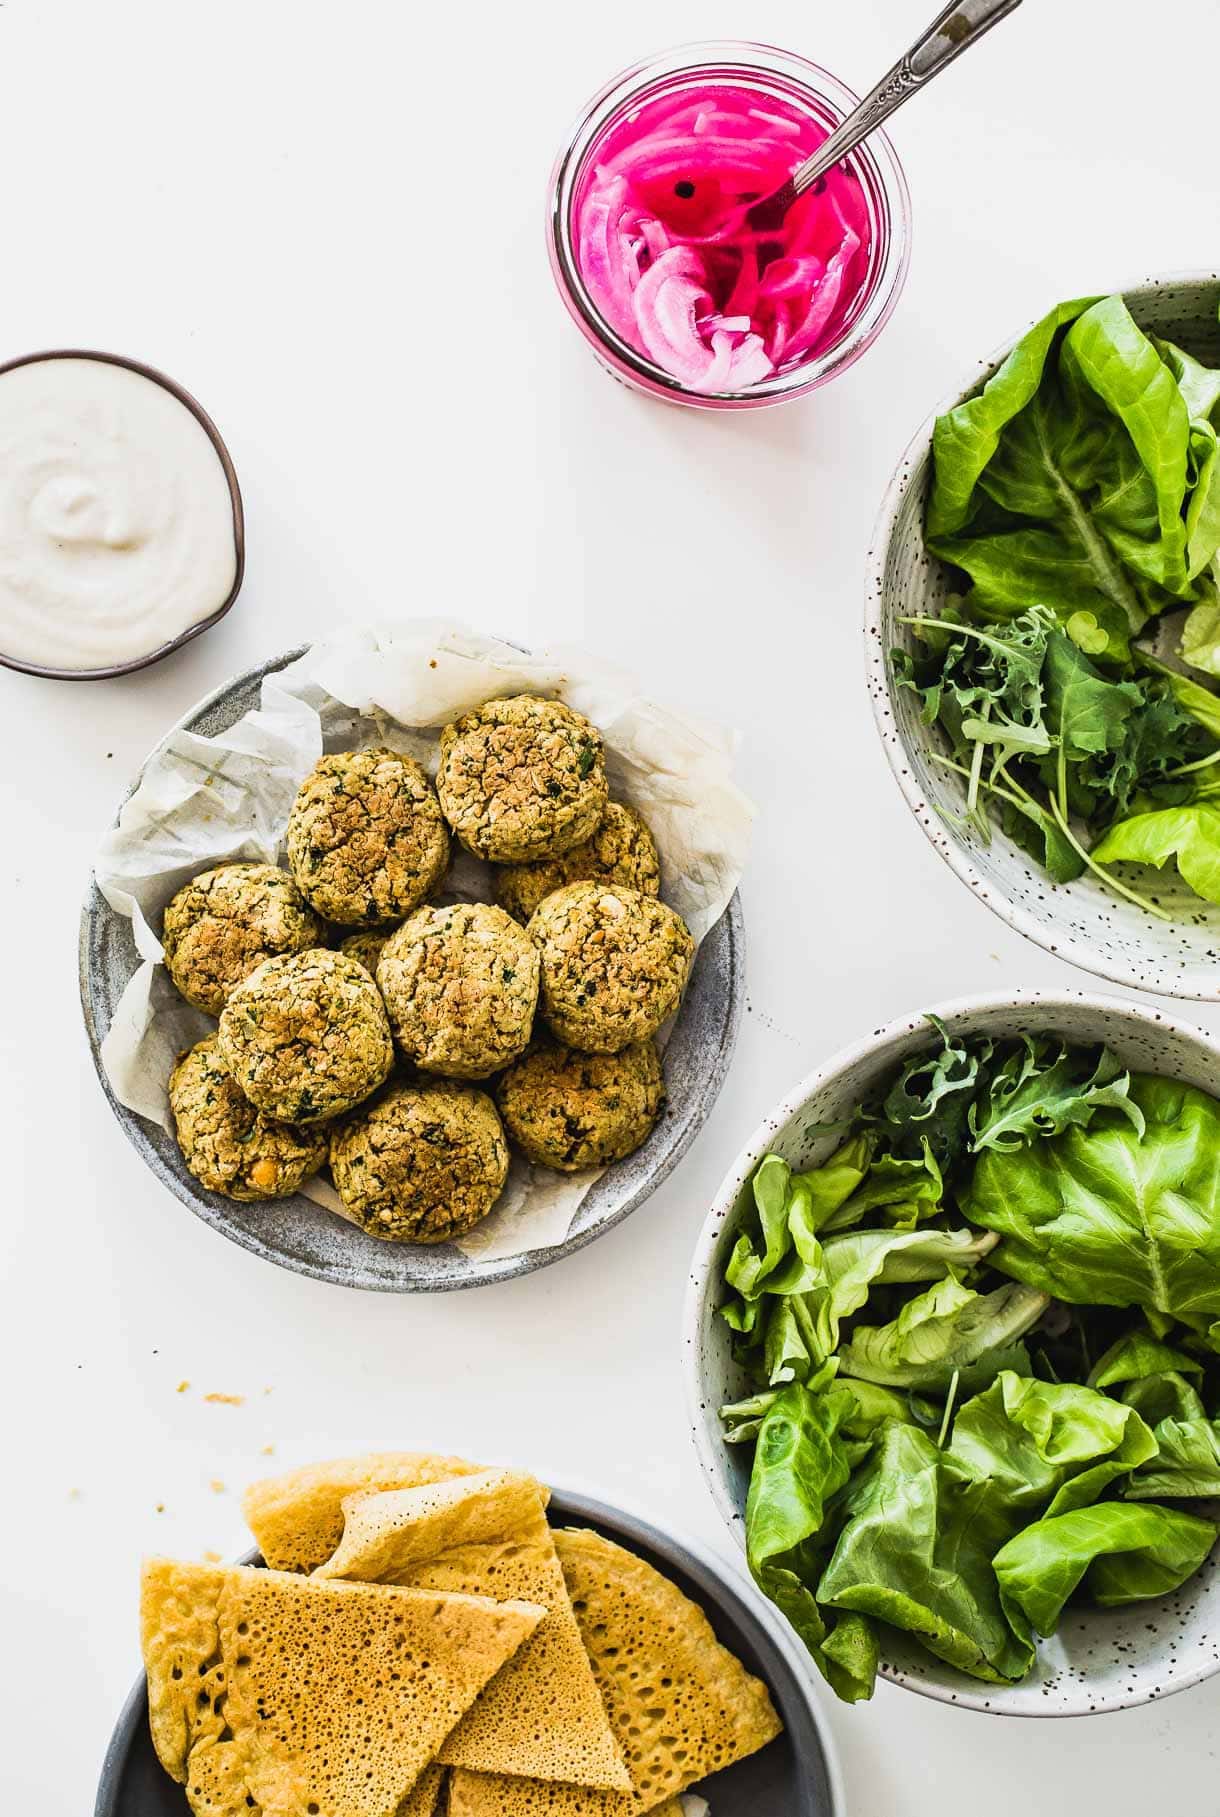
{"points": [[948, 1330], [1107, 1216], [803, 1460], [918, 1536], [1120, 1552]]}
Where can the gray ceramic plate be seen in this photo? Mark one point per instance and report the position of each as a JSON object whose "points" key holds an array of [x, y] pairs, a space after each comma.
{"points": [[300, 1235], [1100, 1659], [796, 1776], [1083, 921]]}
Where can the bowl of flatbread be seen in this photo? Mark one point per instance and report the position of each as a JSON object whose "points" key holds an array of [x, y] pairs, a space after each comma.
{"points": [[418, 1635]]}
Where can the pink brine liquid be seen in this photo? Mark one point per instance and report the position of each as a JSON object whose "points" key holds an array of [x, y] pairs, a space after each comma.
{"points": [[667, 259]]}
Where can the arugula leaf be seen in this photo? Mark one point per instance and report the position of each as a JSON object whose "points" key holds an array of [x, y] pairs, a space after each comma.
{"points": [[927, 1108], [1189, 834], [1187, 1461], [1122, 1552], [801, 1463], [915, 1551], [946, 1330], [1107, 1216], [1045, 1086]]}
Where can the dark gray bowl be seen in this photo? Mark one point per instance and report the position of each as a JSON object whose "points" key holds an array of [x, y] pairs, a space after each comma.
{"points": [[796, 1776], [296, 1233]]}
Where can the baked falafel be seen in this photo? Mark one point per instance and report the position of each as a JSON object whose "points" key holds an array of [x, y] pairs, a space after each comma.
{"points": [[230, 1147], [522, 779], [367, 841], [422, 1163], [620, 850], [568, 1110], [461, 987], [307, 1037], [614, 964], [222, 925], [366, 947]]}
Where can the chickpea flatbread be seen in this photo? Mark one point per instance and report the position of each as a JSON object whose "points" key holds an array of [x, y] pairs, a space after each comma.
{"points": [[487, 1535], [337, 1695], [680, 1704], [297, 1517]]}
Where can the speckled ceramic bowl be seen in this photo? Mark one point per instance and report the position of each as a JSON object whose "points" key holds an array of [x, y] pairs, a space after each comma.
{"points": [[298, 1234], [1083, 921], [1099, 1660], [797, 1775]]}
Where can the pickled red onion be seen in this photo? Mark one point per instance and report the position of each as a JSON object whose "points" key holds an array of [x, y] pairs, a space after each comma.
{"points": [[667, 258]]}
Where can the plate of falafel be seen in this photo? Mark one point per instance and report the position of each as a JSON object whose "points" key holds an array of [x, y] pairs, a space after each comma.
{"points": [[402, 974]]}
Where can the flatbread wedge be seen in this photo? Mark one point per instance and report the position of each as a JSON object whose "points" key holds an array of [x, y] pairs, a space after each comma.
{"points": [[681, 1705], [332, 1695], [297, 1518], [541, 1717]]}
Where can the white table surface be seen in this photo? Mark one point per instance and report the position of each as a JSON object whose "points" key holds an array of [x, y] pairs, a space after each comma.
{"points": [[263, 198]]}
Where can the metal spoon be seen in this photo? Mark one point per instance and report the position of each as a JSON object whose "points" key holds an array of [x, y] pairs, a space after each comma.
{"points": [[955, 30]]}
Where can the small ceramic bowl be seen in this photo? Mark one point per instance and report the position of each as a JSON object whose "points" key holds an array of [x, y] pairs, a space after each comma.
{"points": [[1100, 1659], [1084, 921], [239, 523], [798, 1774]]}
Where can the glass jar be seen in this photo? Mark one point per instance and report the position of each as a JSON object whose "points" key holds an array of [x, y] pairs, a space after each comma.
{"points": [[778, 75]]}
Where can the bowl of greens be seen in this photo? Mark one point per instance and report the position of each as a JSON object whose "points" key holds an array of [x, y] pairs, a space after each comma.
{"points": [[953, 1357], [1043, 634]]}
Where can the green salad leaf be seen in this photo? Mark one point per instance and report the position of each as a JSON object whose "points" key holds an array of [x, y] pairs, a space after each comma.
{"points": [[980, 1349], [1120, 1552], [802, 1461], [1070, 480], [947, 1330], [938, 1582], [1109, 1216], [1039, 1091], [1137, 1355], [1048, 1446], [1190, 835], [1187, 1461]]}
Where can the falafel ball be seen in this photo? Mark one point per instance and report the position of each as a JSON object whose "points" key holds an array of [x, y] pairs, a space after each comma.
{"points": [[522, 779], [461, 986], [225, 922], [307, 1037], [621, 850], [230, 1147], [422, 1164], [569, 1110], [366, 948], [614, 964], [367, 841]]}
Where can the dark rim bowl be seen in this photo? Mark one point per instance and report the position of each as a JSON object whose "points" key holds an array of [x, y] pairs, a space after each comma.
{"points": [[297, 1234], [239, 522], [797, 1775]]}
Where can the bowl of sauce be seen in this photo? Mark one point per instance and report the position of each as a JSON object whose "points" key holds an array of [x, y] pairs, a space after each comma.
{"points": [[653, 255], [121, 528]]}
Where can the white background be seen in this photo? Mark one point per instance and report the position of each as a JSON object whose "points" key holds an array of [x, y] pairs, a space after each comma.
{"points": [[325, 220]]}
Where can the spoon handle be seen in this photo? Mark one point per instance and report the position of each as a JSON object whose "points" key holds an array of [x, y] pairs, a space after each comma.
{"points": [[960, 25]]}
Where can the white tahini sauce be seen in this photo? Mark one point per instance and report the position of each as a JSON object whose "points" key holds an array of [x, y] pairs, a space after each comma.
{"points": [[116, 519]]}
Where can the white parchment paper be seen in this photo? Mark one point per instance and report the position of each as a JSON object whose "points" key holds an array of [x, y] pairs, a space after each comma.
{"points": [[202, 801]]}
